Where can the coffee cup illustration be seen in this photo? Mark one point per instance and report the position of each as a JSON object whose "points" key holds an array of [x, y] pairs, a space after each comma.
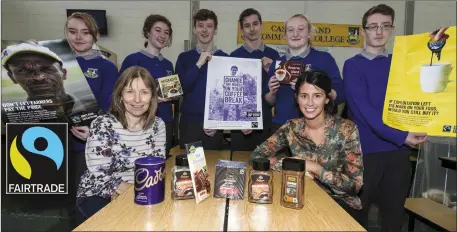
{"points": [[281, 74], [435, 78]]}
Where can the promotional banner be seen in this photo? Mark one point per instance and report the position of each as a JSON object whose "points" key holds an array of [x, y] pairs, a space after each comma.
{"points": [[421, 92], [43, 82], [233, 94], [323, 35]]}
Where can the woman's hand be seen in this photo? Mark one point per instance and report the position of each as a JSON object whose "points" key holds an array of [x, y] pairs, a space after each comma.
{"points": [[313, 168], [80, 132]]}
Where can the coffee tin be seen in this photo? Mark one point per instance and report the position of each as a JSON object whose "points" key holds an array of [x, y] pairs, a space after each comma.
{"points": [[149, 180]]}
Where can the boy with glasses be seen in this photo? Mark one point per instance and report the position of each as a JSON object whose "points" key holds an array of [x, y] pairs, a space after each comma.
{"points": [[386, 150]]}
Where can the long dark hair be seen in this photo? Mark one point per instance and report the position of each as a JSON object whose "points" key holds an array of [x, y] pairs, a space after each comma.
{"points": [[319, 79]]}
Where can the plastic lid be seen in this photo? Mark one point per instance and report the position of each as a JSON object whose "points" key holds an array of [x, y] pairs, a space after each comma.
{"points": [[181, 160], [149, 160], [291, 164], [261, 164]]}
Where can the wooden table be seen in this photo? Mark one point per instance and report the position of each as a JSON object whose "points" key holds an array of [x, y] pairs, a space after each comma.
{"points": [[123, 214], [448, 162], [320, 213]]}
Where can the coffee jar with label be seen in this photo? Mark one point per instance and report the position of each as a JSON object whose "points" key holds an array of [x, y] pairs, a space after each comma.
{"points": [[260, 182], [293, 183], [181, 182]]}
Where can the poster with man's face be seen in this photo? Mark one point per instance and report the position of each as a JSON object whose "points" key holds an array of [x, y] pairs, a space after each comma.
{"points": [[43, 82]]}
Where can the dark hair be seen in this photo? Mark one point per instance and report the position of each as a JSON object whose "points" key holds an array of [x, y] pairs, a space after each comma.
{"points": [[379, 9], [319, 79], [149, 23], [203, 15], [249, 12]]}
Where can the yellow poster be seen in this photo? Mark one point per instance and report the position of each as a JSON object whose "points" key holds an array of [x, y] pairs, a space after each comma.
{"points": [[323, 35], [422, 97]]}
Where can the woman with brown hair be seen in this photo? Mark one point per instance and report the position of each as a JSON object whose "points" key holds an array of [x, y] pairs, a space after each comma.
{"points": [[131, 130]]}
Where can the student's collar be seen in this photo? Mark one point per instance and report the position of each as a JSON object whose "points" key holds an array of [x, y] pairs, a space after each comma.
{"points": [[304, 54], [146, 53], [213, 49], [95, 54], [250, 50], [371, 56]]}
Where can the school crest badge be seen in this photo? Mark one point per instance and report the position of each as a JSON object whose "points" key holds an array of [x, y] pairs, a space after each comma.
{"points": [[91, 73], [353, 35]]}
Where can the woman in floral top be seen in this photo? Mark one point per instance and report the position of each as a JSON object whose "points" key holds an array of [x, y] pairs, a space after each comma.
{"points": [[131, 130], [329, 144]]}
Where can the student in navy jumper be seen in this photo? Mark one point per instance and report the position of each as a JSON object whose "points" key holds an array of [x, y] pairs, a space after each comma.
{"points": [[386, 150], [281, 96], [192, 67], [158, 33], [101, 74], [251, 26]]}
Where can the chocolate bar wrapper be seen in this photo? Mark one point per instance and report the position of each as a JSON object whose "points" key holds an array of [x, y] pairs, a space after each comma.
{"points": [[198, 171], [230, 179]]}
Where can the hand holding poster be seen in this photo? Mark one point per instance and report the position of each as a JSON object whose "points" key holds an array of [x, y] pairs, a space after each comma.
{"points": [[42, 82], [233, 94], [421, 93]]}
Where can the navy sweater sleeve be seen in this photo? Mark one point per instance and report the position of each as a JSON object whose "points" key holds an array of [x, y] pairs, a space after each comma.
{"points": [[128, 62], [187, 76], [337, 82], [357, 100], [110, 77]]}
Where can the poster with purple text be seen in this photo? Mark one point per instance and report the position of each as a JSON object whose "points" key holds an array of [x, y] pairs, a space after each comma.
{"points": [[233, 94]]}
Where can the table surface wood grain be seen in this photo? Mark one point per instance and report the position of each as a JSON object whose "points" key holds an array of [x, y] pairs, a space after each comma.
{"points": [[123, 214], [320, 213]]}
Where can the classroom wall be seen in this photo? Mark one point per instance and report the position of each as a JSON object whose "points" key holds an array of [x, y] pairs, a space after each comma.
{"points": [[430, 15], [228, 13], [351, 12], [43, 20]]}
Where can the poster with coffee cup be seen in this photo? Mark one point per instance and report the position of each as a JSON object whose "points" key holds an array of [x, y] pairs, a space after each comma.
{"points": [[421, 91], [287, 71]]}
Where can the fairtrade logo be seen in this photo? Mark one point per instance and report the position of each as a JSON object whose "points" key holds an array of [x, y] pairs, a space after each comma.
{"points": [[54, 149]]}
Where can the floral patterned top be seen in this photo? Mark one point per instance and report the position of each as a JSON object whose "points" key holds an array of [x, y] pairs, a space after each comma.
{"points": [[111, 152], [339, 155]]}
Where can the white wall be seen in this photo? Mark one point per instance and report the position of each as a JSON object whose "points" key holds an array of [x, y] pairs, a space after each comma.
{"points": [[351, 12], [340, 12], [431, 15], [228, 13], [43, 20]]}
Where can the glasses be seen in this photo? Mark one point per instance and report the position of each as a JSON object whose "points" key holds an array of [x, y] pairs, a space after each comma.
{"points": [[388, 27]]}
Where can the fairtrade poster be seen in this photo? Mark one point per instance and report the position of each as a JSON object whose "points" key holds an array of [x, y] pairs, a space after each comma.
{"points": [[233, 94], [421, 92], [43, 82]]}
